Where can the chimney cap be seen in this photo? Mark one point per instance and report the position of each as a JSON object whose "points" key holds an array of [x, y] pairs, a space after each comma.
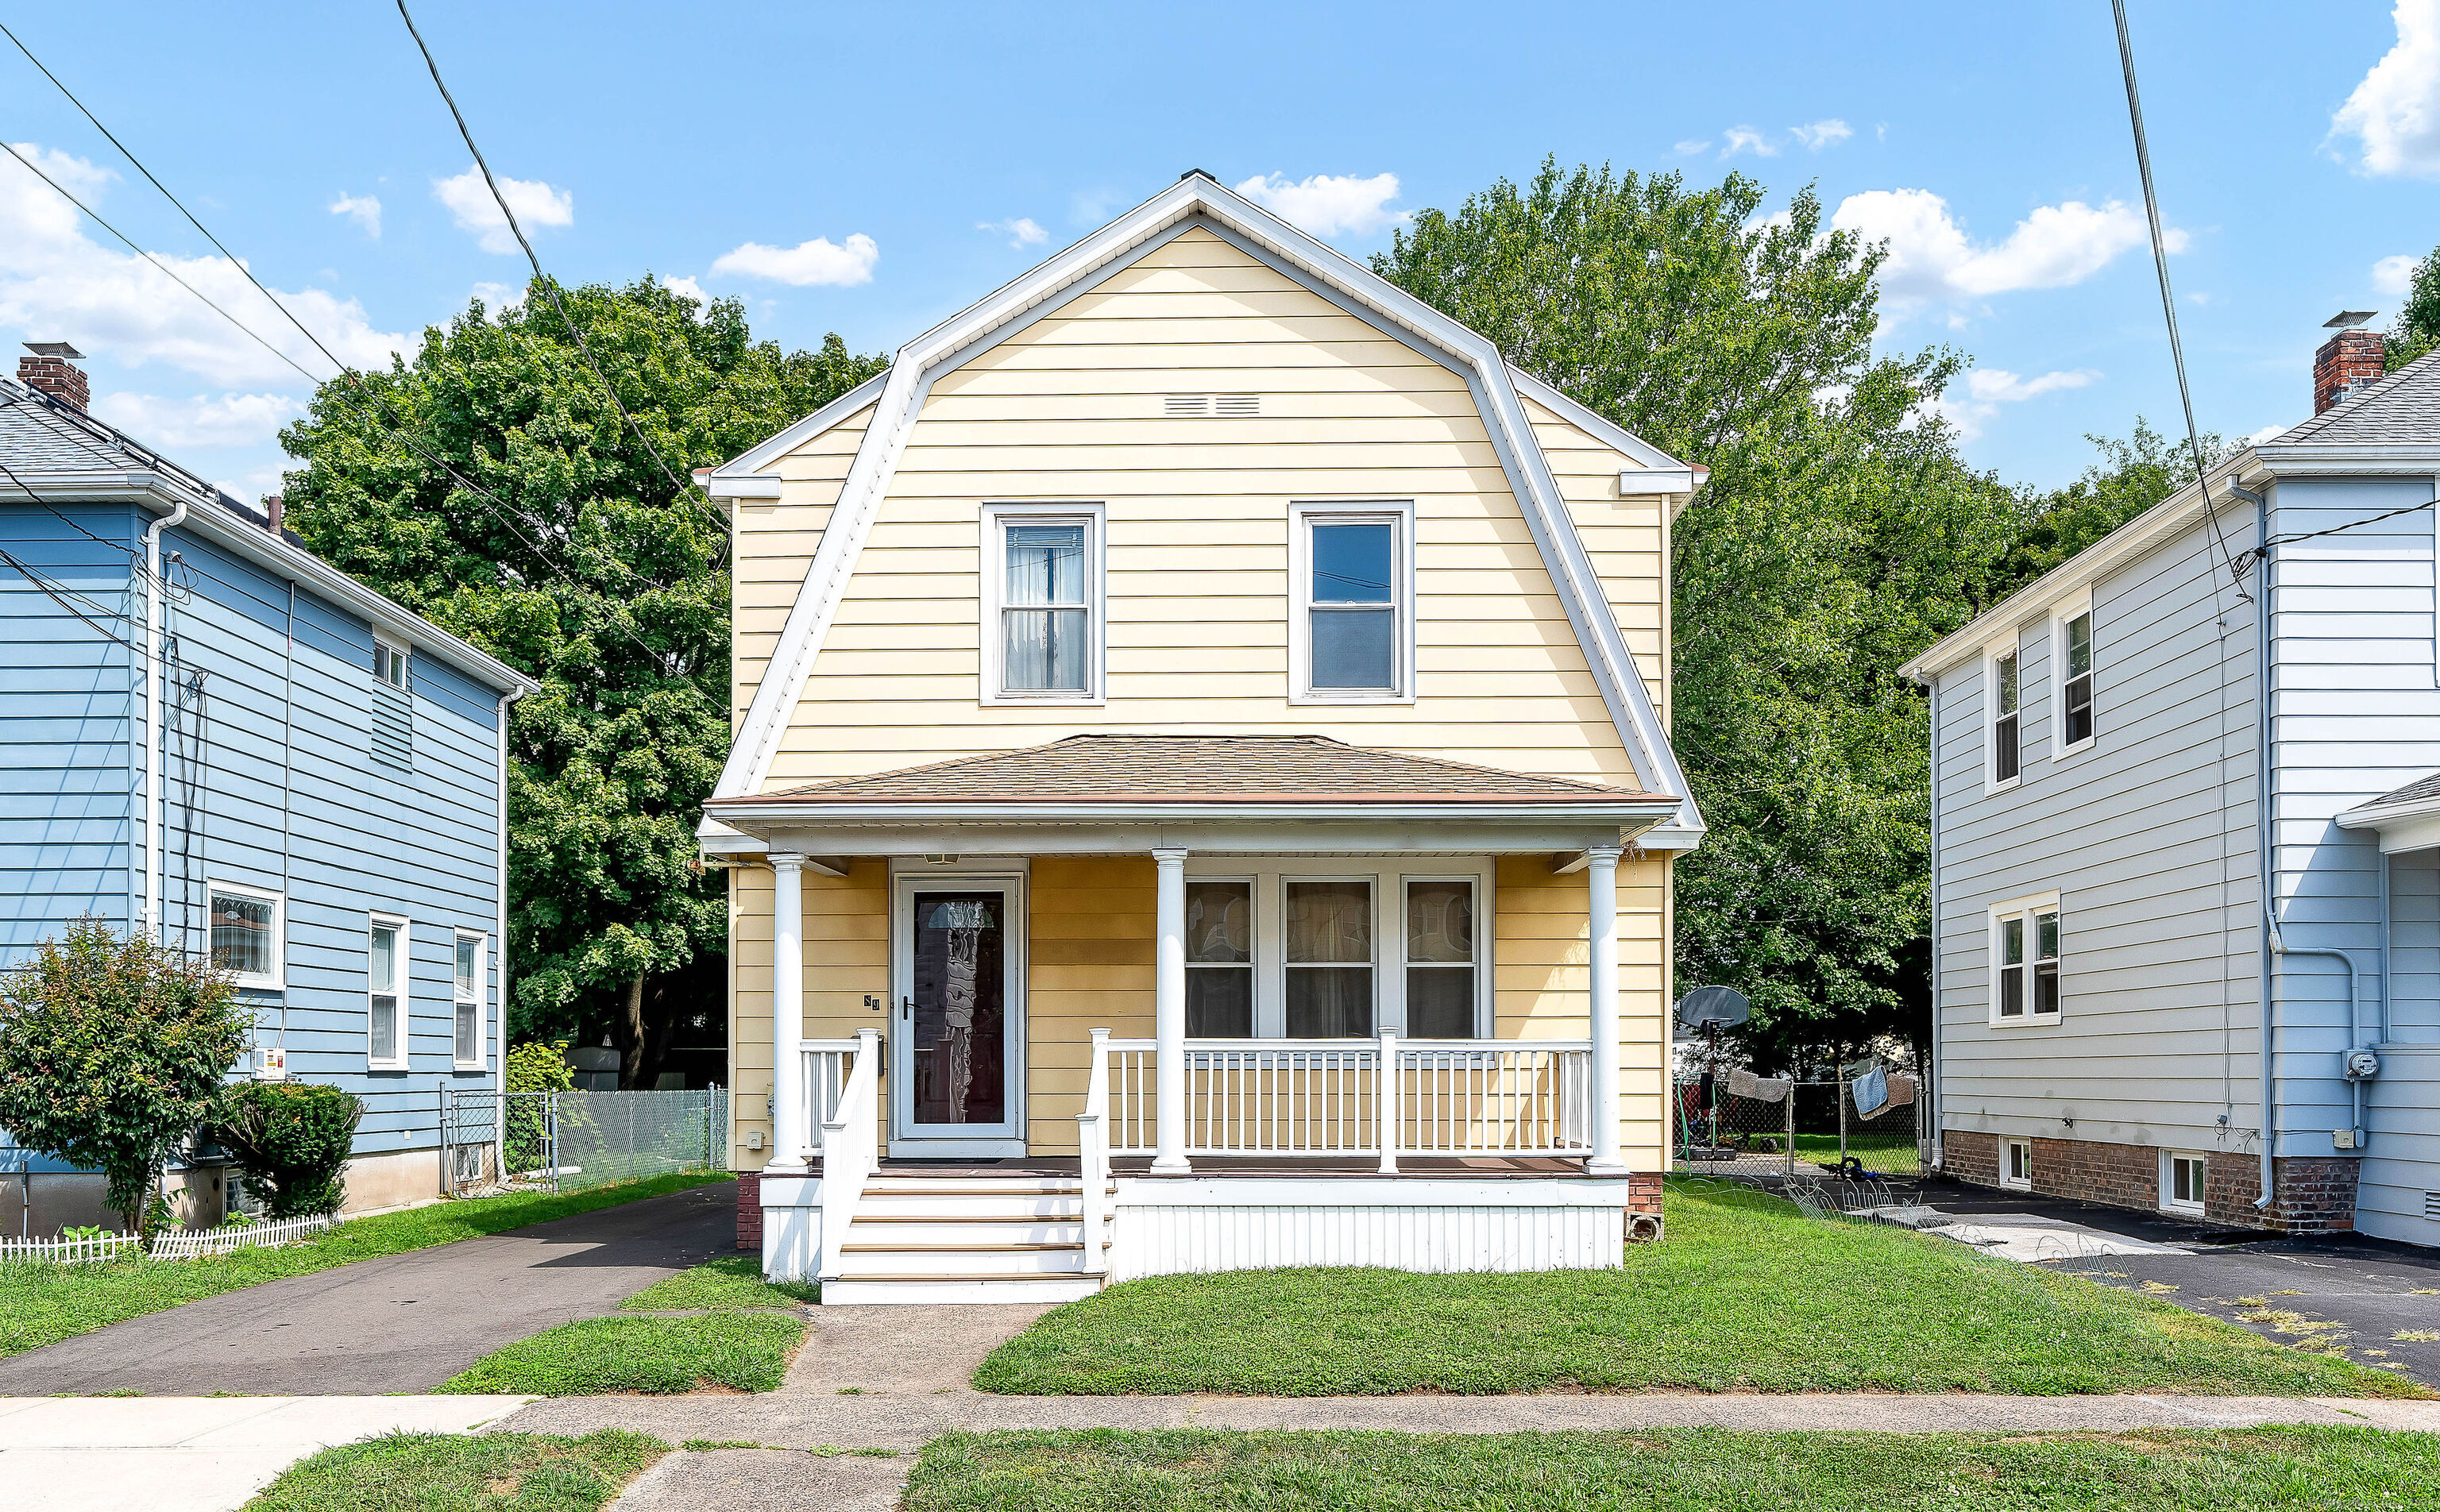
{"points": [[52, 348], [2348, 319]]}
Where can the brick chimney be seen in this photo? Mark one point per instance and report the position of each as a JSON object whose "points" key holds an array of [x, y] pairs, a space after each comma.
{"points": [[50, 371], [2348, 361]]}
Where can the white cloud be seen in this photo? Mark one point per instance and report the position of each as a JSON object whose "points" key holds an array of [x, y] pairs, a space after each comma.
{"points": [[1689, 146], [1329, 204], [58, 284], [819, 262], [1747, 139], [1987, 388], [2394, 112], [469, 204], [2395, 275], [363, 210], [2267, 432], [1021, 231], [231, 419], [498, 296], [1822, 133], [1931, 257], [688, 287]]}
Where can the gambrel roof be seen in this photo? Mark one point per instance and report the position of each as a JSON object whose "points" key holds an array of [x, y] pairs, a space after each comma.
{"points": [[1198, 202]]}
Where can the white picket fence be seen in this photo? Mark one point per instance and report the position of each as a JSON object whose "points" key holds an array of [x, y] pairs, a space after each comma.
{"points": [[178, 1246]]}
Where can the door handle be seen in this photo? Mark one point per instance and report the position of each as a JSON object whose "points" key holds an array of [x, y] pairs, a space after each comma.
{"points": [[907, 1010]]}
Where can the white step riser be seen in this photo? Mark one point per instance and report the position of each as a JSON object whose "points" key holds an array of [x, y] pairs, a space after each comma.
{"points": [[1049, 1289], [963, 1262], [998, 1231], [937, 1205]]}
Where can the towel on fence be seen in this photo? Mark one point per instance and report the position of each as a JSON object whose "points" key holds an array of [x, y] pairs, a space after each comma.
{"points": [[1871, 1093], [1902, 1091], [1744, 1083]]}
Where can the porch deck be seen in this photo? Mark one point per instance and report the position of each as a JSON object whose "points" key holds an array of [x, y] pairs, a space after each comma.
{"points": [[1471, 1167]]}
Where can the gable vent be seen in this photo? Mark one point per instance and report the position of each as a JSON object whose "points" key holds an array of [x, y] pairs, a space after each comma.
{"points": [[1237, 404], [1186, 405], [2431, 1206], [1211, 404]]}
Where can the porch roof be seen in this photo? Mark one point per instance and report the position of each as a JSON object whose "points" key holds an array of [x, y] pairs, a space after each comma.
{"points": [[1199, 790]]}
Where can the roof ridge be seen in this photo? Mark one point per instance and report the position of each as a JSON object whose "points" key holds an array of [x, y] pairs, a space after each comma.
{"points": [[2353, 404]]}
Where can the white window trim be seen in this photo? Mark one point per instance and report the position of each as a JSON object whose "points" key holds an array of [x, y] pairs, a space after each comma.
{"points": [[2168, 1182], [1389, 877], [1398, 513], [402, 656], [402, 989], [2012, 1183], [2024, 908], [277, 981], [482, 1000], [2013, 645], [2061, 612], [996, 520]]}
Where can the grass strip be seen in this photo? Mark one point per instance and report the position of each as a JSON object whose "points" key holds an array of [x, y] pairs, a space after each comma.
{"points": [[730, 1284], [1746, 1294], [42, 1303], [655, 1357], [448, 1472], [1678, 1471]]}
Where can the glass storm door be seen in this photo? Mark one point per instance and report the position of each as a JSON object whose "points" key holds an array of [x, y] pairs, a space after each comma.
{"points": [[955, 1031]]}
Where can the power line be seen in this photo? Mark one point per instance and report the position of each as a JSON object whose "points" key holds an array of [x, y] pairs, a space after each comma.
{"points": [[548, 285], [2168, 301]]}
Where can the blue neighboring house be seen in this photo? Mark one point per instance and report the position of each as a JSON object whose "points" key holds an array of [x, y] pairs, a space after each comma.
{"points": [[212, 733]]}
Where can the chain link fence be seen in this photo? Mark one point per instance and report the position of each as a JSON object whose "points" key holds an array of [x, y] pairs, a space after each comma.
{"points": [[1737, 1124], [572, 1141]]}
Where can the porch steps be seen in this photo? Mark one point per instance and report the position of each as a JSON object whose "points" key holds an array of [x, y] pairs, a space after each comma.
{"points": [[964, 1238]]}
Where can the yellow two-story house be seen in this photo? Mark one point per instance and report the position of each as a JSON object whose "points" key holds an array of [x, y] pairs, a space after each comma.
{"points": [[1201, 796]]}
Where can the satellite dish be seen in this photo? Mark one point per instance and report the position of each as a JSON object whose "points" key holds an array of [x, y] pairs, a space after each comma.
{"points": [[1708, 1007]]}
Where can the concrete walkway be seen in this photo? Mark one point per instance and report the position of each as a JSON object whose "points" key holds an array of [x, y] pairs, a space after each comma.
{"points": [[402, 1323], [195, 1454]]}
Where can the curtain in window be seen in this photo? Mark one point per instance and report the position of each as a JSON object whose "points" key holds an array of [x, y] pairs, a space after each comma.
{"points": [[1440, 960], [1045, 647], [1219, 957], [242, 935], [1329, 959]]}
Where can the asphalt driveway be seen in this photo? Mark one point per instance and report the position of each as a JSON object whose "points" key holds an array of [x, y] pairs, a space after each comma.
{"points": [[404, 1323]]}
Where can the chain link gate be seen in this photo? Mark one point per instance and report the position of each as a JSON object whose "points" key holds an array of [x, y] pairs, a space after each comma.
{"points": [[573, 1139], [469, 1140]]}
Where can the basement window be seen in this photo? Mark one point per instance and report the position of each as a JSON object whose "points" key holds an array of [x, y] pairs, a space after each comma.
{"points": [[2181, 1181], [2016, 1163]]}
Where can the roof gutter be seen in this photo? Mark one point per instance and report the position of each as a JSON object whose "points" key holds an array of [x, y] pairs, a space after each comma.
{"points": [[746, 811]]}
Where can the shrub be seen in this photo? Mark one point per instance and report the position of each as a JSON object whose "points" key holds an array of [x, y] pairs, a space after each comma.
{"points": [[112, 1052], [292, 1140], [534, 1066]]}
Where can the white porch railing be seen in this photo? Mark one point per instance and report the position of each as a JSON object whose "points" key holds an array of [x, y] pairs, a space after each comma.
{"points": [[1323, 1098], [850, 1145], [827, 1064]]}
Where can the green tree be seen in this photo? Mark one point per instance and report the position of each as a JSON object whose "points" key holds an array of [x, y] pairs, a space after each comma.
{"points": [[1838, 533], [595, 575], [2132, 476], [2416, 329], [113, 1051]]}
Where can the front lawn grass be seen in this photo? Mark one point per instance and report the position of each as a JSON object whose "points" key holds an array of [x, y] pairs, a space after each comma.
{"points": [[42, 1303], [730, 1284], [655, 1356], [1744, 1294], [1680, 1469], [447, 1472]]}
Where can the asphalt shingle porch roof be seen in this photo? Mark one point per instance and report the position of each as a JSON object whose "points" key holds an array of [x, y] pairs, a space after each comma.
{"points": [[1201, 769]]}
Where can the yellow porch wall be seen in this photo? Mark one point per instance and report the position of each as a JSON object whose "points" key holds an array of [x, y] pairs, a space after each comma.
{"points": [[1089, 965]]}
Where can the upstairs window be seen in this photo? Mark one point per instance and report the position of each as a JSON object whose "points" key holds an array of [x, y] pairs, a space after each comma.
{"points": [[393, 710], [1352, 630], [1043, 604], [389, 665], [246, 934], [2025, 949], [385, 994], [2075, 681], [2005, 763], [466, 1002]]}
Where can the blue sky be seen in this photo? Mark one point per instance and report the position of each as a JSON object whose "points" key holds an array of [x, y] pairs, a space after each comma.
{"points": [[869, 169]]}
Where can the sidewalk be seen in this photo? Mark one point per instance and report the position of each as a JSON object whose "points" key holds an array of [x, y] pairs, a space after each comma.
{"points": [[195, 1454]]}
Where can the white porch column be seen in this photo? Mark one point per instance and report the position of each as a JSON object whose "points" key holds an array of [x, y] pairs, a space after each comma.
{"points": [[1601, 877], [1169, 1012], [789, 1135]]}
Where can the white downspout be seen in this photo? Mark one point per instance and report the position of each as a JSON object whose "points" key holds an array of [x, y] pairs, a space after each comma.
{"points": [[152, 922], [500, 944]]}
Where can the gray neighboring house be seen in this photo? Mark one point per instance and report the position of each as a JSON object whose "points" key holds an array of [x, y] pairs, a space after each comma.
{"points": [[2101, 746]]}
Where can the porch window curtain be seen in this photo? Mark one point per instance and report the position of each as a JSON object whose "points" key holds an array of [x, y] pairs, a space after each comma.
{"points": [[1440, 960], [1219, 960], [1045, 621], [1329, 959]]}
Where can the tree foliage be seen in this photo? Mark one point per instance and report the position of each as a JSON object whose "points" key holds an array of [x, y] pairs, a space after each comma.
{"points": [[596, 576], [1838, 533], [2132, 476], [2416, 329], [113, 1051], [291, 1140]]}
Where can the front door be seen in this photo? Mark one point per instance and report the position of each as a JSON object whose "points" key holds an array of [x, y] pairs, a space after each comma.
{"points": [[957, 1030]]}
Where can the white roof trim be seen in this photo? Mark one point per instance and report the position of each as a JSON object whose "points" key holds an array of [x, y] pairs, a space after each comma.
{"points": [[756, 458], [908, 377], [1643, 452]]}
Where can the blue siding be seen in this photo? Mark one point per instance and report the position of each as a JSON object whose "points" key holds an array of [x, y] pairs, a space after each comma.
{"points": [[267, 780]]}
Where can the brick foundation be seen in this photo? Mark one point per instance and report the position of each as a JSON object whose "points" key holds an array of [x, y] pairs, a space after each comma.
{"points": [[2312, 1195], [749, 1211], [1644, 1192]]}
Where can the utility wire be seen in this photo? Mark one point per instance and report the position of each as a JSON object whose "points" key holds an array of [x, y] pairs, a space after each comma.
{"points": [[548, 286], [2168, 301]]}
